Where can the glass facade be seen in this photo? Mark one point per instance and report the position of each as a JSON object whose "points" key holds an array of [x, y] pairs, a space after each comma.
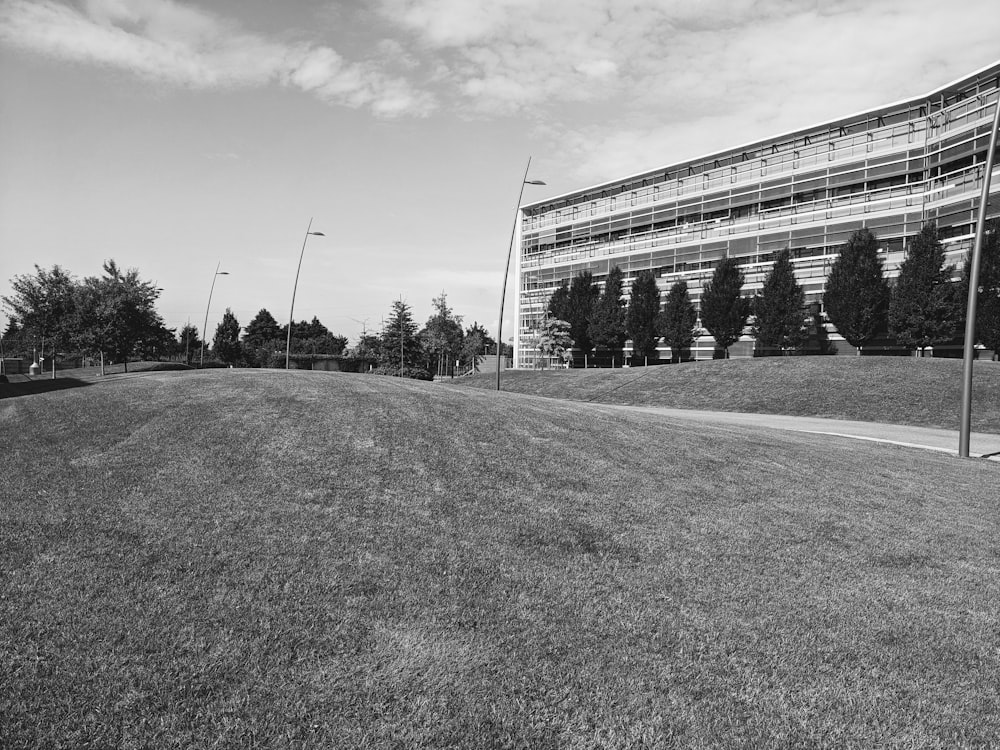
{"points": [[889, 170]]}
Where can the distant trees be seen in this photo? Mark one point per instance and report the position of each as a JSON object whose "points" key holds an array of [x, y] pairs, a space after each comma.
{"points": [[779, 309], [476, 342], [923, 308], [643, 309], [677, 323], [43, 305], [607, 326], [114, 314], [226, 344], [857, 294], [724, 311]]}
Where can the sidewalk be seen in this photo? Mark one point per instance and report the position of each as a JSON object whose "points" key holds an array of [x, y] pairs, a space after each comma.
{"points": [[981, 444]]}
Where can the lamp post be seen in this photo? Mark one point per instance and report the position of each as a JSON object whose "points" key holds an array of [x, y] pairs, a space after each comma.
{"points": [[506, 269], [965, 427], [204, 332], [291, 313]]}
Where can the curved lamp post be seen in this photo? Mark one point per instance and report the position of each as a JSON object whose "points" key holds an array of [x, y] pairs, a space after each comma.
{"points": [[204, 333], [506, 270], [291, 313], [965, 427]]}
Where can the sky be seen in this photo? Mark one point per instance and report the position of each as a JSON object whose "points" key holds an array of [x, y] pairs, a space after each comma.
{"points": [[176, 137]]}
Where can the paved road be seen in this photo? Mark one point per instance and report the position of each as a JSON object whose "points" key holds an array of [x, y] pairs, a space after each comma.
{"points": [[981, 444]]}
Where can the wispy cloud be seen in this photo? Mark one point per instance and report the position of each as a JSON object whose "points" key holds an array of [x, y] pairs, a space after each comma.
{"points": [[182, 45], [626, 85]]}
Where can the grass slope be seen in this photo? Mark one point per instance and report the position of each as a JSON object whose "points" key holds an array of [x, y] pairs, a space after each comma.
{"points": [[235, 559], [895, 390]]}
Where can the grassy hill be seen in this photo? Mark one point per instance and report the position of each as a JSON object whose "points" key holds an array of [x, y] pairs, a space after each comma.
{"points": [[238, 558], [897, 390]]}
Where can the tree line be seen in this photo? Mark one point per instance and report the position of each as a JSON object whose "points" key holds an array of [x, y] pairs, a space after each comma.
{"points": [[921, 308], [114, 316]]}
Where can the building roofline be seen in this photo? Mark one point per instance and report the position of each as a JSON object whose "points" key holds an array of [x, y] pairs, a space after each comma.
{"points": [[993, 67]]}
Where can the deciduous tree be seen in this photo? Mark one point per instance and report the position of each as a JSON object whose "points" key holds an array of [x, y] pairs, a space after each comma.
{"points": [[554, 341], [43, 304], [857, 293]]}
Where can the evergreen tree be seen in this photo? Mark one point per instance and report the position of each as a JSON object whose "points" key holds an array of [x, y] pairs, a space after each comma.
{"points": [[400, 352], [779, 309], [559, 302], [189, 342], [607, 324], [724, 311], [988, 301], [923, 308], [677, 324], [857, 294], [643, 309], [262, 330], [583, 293], [226, 343]]}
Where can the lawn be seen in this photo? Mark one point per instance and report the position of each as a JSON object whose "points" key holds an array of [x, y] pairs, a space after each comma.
{"points": [[896, 390], [238, 558]]}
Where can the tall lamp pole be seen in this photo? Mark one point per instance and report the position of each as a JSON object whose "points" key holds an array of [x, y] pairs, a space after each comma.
{"points": [[506, 269], [204, 332], [965, 428], [291, 313]]}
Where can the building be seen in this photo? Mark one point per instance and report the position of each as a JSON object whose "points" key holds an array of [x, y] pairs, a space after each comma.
{"points": [[890, 169]]}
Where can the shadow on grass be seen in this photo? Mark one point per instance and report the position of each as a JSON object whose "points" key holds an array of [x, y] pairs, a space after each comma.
{"points": [[31, 387]]}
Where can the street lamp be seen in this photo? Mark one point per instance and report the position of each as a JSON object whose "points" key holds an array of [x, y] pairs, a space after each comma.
{"points": [[965, 427], [291, 313], [204, 332], [506, 270]]}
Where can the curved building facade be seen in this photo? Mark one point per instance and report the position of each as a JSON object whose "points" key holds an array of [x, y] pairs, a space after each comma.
{"points": [[890, 169]]}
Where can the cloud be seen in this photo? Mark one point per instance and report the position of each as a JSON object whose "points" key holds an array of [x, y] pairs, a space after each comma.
{"points": [[169, 42]]}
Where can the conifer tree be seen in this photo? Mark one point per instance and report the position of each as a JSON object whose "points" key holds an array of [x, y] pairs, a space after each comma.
{"points": [[724, 311], [988, 302], [779, 309], [643, 309], [226, 343], [607, 324], [857, 295], [559, 302], [583, 293], [400, 352], [677, 324], [923, 308]]}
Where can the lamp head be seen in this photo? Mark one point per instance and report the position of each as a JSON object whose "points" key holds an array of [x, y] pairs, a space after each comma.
{"points": [[318, 234], [533, 182]]}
